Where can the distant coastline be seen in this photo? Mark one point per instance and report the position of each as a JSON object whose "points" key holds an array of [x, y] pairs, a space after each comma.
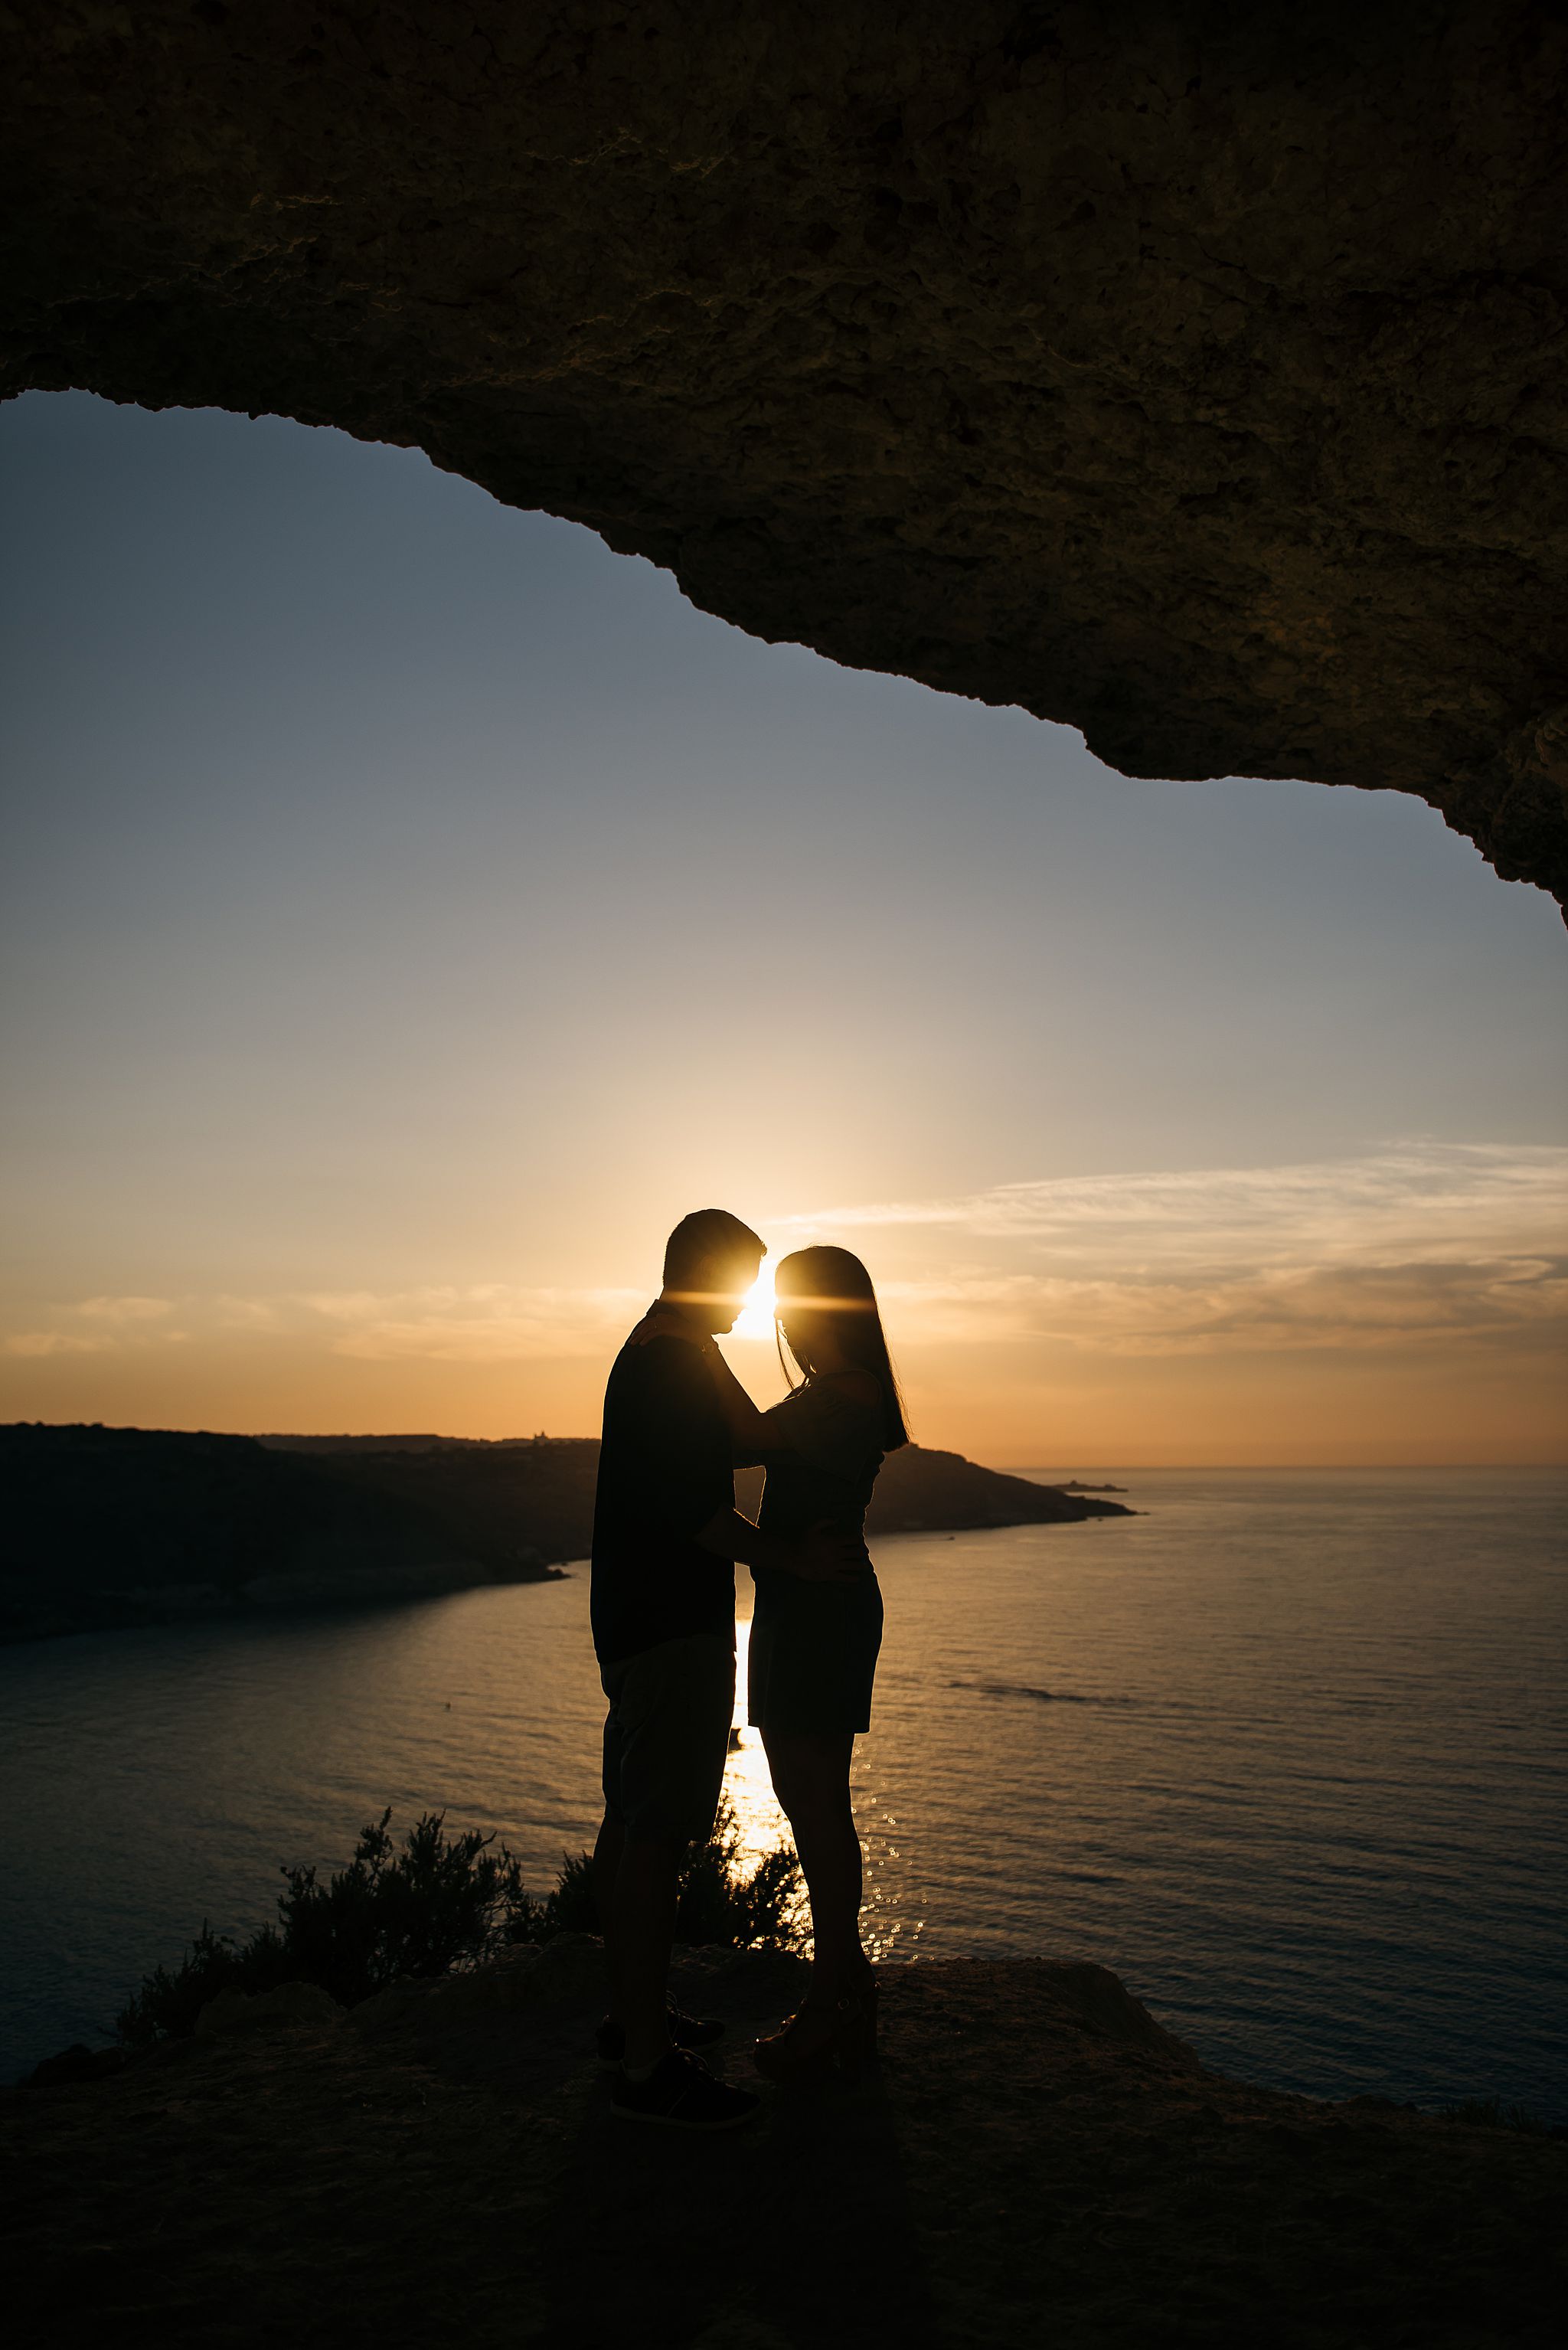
{"points": [[113, 1528]]}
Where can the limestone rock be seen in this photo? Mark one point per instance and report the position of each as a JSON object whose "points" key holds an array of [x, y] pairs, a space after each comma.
{"points": [[1102, 2003], [569, 1971], [288, 2008], [500, 1986], [75, 2065], [395, 2005], [1188, 372]]}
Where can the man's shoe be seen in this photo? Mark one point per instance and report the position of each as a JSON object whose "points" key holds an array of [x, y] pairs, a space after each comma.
{"points": [[681, 2094], [685, 2031]]}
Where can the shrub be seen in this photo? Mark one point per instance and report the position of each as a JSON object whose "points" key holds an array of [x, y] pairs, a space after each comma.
{"points": [[439, 1903], [445, 1902], [763, 1911], [717, 1902], [168, 2003], [435, 1905]]}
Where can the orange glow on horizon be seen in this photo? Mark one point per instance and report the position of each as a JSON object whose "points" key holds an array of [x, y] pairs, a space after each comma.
{"points": [[1399, 1308]]}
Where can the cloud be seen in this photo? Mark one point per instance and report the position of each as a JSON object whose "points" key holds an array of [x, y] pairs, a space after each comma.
{"points": [[1423, 1244], [1444, 1194], [109, 1319], [1511, 1301], [259, 1314], [122, 1310], [1415, 1246], [489, 1323], [54, 1342]]}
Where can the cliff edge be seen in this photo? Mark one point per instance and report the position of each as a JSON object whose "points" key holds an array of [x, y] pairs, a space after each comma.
{"points": [[1034, 2160]]}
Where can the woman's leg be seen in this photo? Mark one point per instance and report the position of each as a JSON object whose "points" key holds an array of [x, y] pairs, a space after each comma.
{"points": [[811, 1780]]}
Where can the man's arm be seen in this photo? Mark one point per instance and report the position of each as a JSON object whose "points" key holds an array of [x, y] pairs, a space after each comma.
{"points": [[824, 1554]]}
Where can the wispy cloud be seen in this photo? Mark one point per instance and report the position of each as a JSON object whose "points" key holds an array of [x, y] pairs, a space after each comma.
{"points": [[107, 1319], [1511, 1301], [119, 1311], [486, 1324], [1442, 1193], [489, 1323], [54, 1342], [1420, 1243]]}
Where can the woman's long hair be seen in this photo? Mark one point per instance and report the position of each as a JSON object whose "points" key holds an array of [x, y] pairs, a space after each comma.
{"points": [[837, 1285]]}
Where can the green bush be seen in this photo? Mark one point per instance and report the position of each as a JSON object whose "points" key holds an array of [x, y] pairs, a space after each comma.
{"points": [[441, 1903], [763, 1911], [718, 1901], [435, 1905], [169, 2001]]}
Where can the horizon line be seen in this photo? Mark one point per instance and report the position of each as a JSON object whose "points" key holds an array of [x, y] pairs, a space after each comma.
{"points": [[360, 1436]]}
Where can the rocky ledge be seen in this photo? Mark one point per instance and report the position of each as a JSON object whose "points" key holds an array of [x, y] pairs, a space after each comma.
{"points": [[1035, 2159], [1188, 372]]}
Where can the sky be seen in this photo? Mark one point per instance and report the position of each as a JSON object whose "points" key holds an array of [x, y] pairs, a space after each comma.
{"points": [[409, 907]]}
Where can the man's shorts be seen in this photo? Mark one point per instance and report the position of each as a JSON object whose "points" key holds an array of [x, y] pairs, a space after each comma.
{"points": [[667, 1736]]}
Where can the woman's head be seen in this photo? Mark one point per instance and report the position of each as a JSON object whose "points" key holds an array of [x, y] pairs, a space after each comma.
{"points": [[827, 1306]]}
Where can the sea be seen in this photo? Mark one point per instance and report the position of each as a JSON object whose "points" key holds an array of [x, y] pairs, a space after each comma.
{"points": [[1285, 1751]]}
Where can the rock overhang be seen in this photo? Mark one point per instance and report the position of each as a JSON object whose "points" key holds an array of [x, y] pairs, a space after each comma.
{"points": [[1186, 373]]}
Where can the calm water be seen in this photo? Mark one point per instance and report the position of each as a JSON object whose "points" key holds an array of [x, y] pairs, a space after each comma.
{"points": [[1287, 1753]]}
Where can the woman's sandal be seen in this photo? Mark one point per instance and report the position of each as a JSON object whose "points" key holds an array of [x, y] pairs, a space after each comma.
{"points": [[817, 2044], [823, 2041]]}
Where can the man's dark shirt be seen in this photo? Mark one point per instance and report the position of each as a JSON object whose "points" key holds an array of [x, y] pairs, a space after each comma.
{"points": [[667, 1467]]}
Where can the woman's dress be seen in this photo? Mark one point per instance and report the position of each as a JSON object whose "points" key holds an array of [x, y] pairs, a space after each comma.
{"points": [[812, 1654]]}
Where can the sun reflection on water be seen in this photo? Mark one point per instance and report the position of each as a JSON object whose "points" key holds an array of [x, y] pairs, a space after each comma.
{"points": [[763, 1827], [748, 1789]]}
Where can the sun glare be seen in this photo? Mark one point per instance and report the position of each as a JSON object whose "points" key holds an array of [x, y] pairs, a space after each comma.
{"points": [[755, 1319]]}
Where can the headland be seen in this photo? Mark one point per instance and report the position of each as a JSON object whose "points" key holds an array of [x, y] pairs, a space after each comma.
{"points": [[104, 1528]]}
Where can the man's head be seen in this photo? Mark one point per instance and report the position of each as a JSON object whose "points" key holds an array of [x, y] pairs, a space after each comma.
{"points": [[710, 1260]]}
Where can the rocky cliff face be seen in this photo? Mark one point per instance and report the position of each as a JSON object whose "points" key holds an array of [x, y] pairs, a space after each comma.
{"points": [[1190, 372]]}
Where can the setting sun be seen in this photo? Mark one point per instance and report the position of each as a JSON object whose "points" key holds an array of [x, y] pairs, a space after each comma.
{"points": [[755, 1319]]}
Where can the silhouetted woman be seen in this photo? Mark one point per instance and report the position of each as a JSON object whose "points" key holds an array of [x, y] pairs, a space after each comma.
{"points": [[813, 1644]]}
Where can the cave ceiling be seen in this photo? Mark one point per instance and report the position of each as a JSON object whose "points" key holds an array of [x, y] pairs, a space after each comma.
{"points": [[1192, 375]]}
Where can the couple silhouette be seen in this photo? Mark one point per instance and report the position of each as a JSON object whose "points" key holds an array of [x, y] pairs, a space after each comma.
{"points": [[667, 1536]]}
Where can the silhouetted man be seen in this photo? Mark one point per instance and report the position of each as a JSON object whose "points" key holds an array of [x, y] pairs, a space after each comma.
{"points": [[666, 1536]]}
